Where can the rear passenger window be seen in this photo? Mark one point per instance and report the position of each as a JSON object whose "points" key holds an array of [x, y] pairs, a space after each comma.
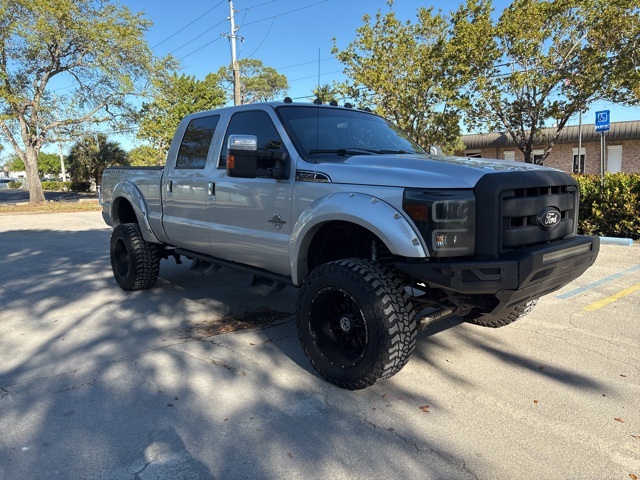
{"points": [[252, 122], [196, 141]]}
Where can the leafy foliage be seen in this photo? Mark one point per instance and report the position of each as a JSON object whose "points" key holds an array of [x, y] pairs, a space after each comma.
{"points": [[146, 156], [257, 82], [95, 46], [612, 211], [541, 61], [175, 96], [56, 186], [91, 155], [324, 93], [402, 69]]}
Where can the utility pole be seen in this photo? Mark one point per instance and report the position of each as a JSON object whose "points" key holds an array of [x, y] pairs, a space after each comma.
{"points": [[234, 61], [62, 169]]}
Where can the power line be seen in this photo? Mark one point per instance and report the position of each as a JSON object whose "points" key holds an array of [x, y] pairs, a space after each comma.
{"points": [[265, 37], [255, 6], [189, 24], [200, 48], [315, 76], [195, 38], [305, 63], [284, 13]]}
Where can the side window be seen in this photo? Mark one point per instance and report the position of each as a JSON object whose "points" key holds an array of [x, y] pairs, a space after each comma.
{"points": [[253, 122], [196, 141]]}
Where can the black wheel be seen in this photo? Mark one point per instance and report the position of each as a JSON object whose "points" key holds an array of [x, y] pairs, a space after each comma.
{"points": [[134, 261], [517, 313], [355, 323]]}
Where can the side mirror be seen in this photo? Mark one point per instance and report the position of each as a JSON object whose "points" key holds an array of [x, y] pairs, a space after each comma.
{"points": [[246, 161]]}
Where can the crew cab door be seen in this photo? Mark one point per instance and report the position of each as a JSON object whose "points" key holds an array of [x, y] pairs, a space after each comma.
{"points": [[253, 215], [188, 187]]}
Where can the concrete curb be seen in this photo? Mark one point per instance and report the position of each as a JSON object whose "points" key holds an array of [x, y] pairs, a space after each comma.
{"points": [[625, 242]]}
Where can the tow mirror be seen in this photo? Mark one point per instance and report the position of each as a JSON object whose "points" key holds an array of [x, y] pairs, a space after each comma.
{"points": [[246, 161]]}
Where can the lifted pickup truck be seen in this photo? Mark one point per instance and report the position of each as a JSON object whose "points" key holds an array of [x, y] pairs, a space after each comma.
{"points": [[372, 228]]}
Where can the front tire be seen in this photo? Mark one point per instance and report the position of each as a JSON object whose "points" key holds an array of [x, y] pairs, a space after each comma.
{"points": [[134, 261], [355, 323]]}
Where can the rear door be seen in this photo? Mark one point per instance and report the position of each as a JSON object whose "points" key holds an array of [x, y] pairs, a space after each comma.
{"points": [[189, 188]]}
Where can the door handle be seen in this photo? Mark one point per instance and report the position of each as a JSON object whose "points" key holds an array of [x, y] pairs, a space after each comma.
{"points": [[212, 189], [170, 186]]}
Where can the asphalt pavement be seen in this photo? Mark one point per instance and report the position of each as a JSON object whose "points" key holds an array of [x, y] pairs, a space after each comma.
{"points": [[98, 383], [20, 195]]}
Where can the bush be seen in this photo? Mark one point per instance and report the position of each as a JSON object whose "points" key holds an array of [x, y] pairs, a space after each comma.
{"points": [[612, 211], [53, 185], [80, 186], [15, 184]]}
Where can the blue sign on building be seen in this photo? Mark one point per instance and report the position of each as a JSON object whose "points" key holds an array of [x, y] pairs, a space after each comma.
{"points": [[603, 120]]}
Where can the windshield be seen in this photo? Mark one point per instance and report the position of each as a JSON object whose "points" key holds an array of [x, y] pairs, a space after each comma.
{"points": [[336, 133]]}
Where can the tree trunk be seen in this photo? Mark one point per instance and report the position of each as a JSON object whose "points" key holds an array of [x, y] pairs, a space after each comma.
{"points": [[36, 193]]}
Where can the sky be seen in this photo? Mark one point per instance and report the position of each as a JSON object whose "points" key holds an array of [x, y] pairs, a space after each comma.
{"points": [[293, 36]]}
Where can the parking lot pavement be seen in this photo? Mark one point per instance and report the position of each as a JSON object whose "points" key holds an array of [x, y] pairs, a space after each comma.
{"points": [[20, 195], [99, 383]]}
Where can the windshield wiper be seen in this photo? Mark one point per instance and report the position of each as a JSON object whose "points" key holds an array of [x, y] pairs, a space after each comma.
{"points": [[400, 152], [360, 151], [343, 151]]}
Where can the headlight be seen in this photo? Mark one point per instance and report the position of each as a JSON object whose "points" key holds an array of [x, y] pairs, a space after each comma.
{"points": [[446, 219]]}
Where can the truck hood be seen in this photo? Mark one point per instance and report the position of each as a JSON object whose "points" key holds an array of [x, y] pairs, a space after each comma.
{"points": [[417, 171]]}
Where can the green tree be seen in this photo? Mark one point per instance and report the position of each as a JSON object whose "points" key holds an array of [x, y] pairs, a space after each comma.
{"points": [[94, 48], [48, 164], [324, 93], [400, 69], [15, 165], [91, 155], [540, 62], [173, 97], [257, 82], [145, 156]]}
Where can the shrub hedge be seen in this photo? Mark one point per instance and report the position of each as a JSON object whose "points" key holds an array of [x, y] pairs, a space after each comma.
{"points": [[53, 185], [612, 211]]}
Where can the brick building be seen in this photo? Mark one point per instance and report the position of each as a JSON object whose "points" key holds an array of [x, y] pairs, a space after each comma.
{"points": [[622, 145]]}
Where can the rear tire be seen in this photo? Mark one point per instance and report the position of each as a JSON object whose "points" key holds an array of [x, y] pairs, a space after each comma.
{"points": [[355, 323], [517, 313], [134, 261]]}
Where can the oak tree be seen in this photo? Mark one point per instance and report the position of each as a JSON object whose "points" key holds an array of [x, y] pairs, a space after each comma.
{"points": [[172, 97], [64, 64], [400, 70], [541, 62], [257, 82]]}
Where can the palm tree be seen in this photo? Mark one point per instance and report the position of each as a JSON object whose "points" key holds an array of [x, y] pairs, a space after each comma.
{"points": [[324, 93], [90, 155]]}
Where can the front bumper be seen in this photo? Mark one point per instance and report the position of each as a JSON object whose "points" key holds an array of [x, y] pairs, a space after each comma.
{"points": [[517, 277]]}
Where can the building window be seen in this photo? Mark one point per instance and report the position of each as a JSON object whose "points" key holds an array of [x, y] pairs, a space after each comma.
{"points": [[536, 156], [473, 153], [578, 162], [510, 155], [614, 158]]}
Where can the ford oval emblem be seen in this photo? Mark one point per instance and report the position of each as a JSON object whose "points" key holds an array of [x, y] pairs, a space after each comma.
{"points": [[549, 218]]}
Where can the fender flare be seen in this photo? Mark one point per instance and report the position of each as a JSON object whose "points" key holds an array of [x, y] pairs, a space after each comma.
{"points": [[383, 220], [128, 191]]}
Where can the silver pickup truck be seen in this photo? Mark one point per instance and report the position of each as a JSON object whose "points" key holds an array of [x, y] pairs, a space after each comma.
{"points": [[381, 237]]}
